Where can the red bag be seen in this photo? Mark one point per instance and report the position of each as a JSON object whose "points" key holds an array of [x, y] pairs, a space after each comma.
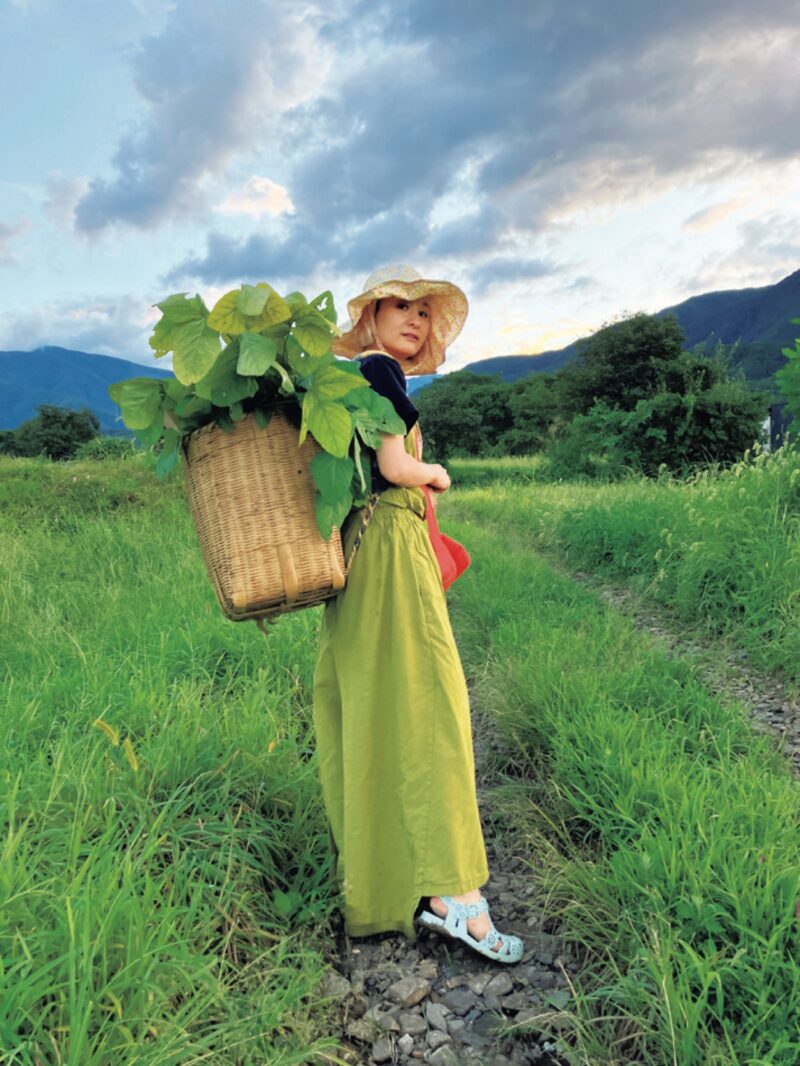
{"points": [[453, 558]]}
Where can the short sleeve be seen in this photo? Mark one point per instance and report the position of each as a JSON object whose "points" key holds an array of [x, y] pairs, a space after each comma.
{"points": [[386, 377]]}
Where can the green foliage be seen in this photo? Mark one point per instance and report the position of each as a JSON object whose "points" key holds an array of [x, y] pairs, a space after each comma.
{"points": [[788, 379], [463, 414], [107, 448], [56, 432], [632, 400], [253, 353], [652, 406], [621, 364]]}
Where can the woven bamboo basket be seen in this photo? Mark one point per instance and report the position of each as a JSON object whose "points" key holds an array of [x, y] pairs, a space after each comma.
{"points": [[252, 499]]}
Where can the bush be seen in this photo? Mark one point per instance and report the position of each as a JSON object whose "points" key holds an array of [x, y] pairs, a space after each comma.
{"points": [[56, 432], [107, 448]]}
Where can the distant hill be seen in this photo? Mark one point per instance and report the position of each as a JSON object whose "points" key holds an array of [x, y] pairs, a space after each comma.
{"points": [[760, 318], [67, 378]]}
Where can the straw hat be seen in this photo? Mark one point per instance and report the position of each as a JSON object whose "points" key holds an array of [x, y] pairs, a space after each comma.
{"points": [[448, 313]]}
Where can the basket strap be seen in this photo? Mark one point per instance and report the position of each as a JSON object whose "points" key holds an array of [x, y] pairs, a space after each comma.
{"points": [[369, 510]]}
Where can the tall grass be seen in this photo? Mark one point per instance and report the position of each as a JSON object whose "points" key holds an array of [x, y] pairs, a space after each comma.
{"points": [[722, 549], [662, 831], [164, 885]]}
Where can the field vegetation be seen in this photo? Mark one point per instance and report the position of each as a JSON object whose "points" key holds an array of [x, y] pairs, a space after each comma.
{"points": [[164, 876]]}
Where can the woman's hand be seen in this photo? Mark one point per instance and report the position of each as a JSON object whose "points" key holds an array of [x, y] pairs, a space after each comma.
{"points": [[440, 481]]}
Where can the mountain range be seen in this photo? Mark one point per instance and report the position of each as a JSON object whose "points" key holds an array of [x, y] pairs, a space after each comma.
{"points": [[759, 318]]}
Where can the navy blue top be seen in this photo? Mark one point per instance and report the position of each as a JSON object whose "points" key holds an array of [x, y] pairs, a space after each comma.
{"points": [[387, 378]]}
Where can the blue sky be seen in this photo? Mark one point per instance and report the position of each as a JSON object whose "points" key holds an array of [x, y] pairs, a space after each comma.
{"points": [[565, 163]]}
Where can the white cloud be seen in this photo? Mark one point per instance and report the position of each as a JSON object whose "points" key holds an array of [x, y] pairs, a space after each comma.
{"points": [[258, 196]]}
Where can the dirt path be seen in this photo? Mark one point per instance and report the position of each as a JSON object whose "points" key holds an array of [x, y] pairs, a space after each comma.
{"points": [[436, 1001], [724, 670]]}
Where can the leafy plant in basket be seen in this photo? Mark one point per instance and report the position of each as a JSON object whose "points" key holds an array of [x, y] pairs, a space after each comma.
{"points": [[253, 353]]}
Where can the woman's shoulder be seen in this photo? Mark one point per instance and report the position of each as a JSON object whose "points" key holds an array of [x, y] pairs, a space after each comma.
{"points": [[382, 365], [378, 357]]}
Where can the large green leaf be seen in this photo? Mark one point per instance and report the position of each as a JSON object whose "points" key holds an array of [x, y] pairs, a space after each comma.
{"points": [[115, 391], [296, 302], [250, 299], [140, 401], [168, 455], [330, 382], [329, 515], [227, 317], [177, 308], [222, 385], [152, 433], [332, 476], [369, 407], [313, 331], [297, 359], [324, 304], [192, 405], [329, 422], [196, 348], [256, 354], [177, 312], [175, 389]]}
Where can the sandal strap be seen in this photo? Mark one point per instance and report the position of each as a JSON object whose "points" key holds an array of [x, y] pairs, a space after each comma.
{"points": [[465, 910]]}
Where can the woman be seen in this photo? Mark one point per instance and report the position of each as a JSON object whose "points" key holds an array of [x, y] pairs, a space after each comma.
{"points": [[391, 708]]}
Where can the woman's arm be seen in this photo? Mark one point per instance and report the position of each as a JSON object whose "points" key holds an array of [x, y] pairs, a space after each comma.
{"points": [[403, 469]]}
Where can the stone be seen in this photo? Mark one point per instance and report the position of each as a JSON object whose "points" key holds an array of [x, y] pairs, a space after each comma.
{"points": [[477, 982], [444, 1056], [406, 1043], [334, 984], [361, 1030], [436, 1039], [384, 1019], [459, 1000], [428, 969], [456, 1026], [382, 1049], [487, 1024], [515, 1001], [437, 1013], [408, 991], [543, 979], [500, 985], [413, 1023]]}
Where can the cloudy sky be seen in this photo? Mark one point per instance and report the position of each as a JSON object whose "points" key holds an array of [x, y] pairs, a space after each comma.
{"points": [[564, 162]]}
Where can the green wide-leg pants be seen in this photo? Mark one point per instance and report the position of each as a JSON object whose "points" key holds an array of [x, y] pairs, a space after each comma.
{"points": [[392, 719]]}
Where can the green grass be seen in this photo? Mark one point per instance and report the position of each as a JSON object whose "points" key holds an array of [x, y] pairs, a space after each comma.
{"points": [[164, 877], [721, 549], [661, 831], [164, 874]]}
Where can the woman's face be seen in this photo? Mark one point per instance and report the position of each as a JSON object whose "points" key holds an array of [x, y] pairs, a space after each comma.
{"points": [[403, 327]]}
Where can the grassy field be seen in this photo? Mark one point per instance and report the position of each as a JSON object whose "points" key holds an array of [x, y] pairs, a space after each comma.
{"points": [[721, 549], [163, 866], [164, 878]]}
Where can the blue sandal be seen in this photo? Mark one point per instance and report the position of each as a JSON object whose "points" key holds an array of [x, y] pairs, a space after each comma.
{"points": [[454, 924]]}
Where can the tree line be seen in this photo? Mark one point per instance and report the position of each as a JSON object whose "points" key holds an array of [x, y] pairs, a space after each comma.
{"points": [[631, 398]]}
